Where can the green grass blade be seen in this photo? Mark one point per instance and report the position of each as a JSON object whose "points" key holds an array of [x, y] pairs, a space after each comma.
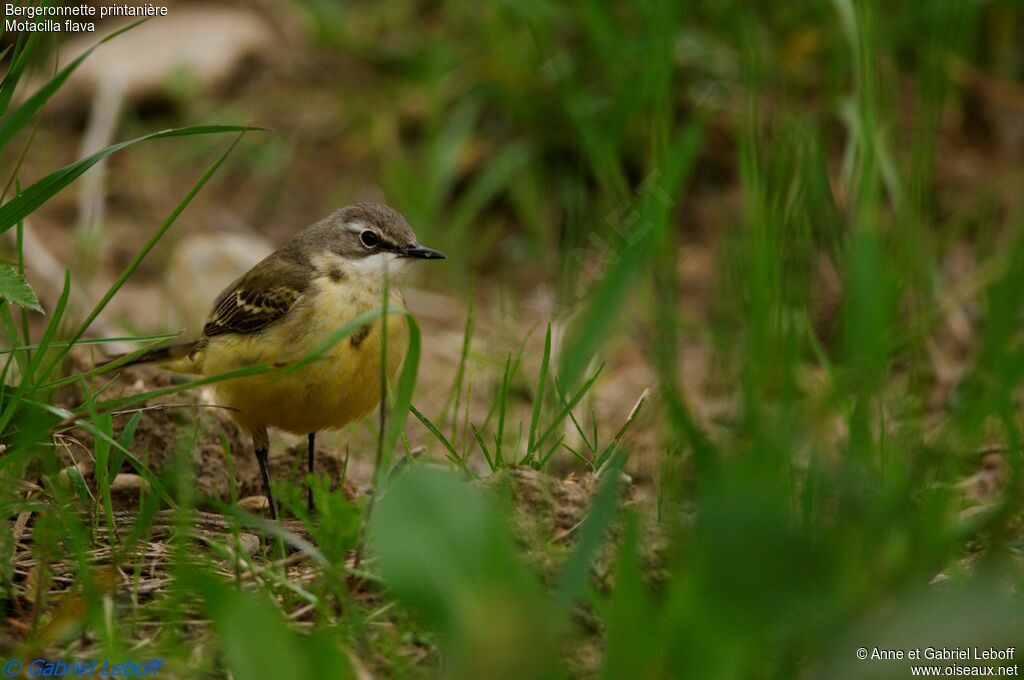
{"points": [[14, 336], [567, 408], [16, 120], [483, 448], [451, 453], [104, 472], [455, 395], [19, 240], [23, 50], [71, 418], [579, 456], [403, 398], [99, 370], [543, 460], [337, 336], [36, 195], [159, 337], [538, 398], [610, 450], [433, 430], [589, 332], [141, 255], [27, 383], [575, 574], [128, 400], [499, 438], [124, 440]]}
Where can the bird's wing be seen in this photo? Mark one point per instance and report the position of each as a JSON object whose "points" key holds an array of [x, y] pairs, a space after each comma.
{"points": [[258, 299]]}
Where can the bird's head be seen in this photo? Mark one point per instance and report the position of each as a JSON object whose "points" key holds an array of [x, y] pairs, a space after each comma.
{"points": [[365, 238]]}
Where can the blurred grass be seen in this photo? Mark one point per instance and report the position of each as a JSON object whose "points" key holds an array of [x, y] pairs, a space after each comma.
{"points": [[577, 137]]}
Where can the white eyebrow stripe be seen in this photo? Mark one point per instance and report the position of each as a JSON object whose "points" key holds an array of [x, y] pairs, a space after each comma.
{"points": [[385, 243]]}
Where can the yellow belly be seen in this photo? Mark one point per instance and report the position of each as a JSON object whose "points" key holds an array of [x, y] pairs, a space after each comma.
{"points": [[342, 386]]}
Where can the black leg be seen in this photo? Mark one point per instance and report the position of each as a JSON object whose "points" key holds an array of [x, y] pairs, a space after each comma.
{"points": [[311, 447], [261, 458]]}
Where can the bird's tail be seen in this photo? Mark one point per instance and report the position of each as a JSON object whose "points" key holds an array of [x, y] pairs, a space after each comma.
{"points": [[174, 358]]}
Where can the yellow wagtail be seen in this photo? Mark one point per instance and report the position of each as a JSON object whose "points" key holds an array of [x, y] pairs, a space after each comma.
{"points": [[288, 305]]}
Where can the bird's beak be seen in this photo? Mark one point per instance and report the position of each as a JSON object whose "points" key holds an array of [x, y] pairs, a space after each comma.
{"points": [[424, 253]]}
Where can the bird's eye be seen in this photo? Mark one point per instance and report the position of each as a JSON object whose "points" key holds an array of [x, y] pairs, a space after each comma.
{"points": [[369, 238]]}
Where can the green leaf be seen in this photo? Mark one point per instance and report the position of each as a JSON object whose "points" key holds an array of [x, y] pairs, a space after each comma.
{"points": [[446, 552], [575, 574], [630, 616], [78, 484], [104, 475], [14, 289], [124, 440], [28, 382]]}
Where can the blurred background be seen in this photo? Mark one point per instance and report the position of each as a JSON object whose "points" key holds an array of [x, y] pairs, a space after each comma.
{"points": [[785, 237]]}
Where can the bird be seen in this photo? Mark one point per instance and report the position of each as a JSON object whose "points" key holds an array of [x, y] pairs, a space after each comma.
{"points": [[288, 305]]}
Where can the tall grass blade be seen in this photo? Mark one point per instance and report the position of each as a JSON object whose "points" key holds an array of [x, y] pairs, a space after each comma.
{"points": [[499, 438], [23, 50], [12, 123], [403, 396], [595, 324], [33, 197], [143, 252], [567, 408], [538, 399], [576, 572]]}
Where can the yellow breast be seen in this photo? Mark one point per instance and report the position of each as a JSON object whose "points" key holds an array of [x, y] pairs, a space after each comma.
{"points": [[342, 386]]}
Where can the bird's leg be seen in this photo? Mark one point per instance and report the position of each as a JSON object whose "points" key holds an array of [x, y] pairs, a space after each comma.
{"points": [[261, 443], [261, 457], [311, 447]]}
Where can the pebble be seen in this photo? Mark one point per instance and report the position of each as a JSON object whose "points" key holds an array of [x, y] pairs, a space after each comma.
{"points": [[254, 503], [128, 486]]}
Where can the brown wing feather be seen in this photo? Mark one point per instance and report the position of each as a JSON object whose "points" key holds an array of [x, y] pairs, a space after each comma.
{"points": [[258, 299], [248, 311]]}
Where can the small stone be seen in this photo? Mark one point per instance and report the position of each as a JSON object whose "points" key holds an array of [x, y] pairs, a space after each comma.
{"points": [[209, 262], [80, 470], [128, 486], [250, 543], [254, 503]]}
